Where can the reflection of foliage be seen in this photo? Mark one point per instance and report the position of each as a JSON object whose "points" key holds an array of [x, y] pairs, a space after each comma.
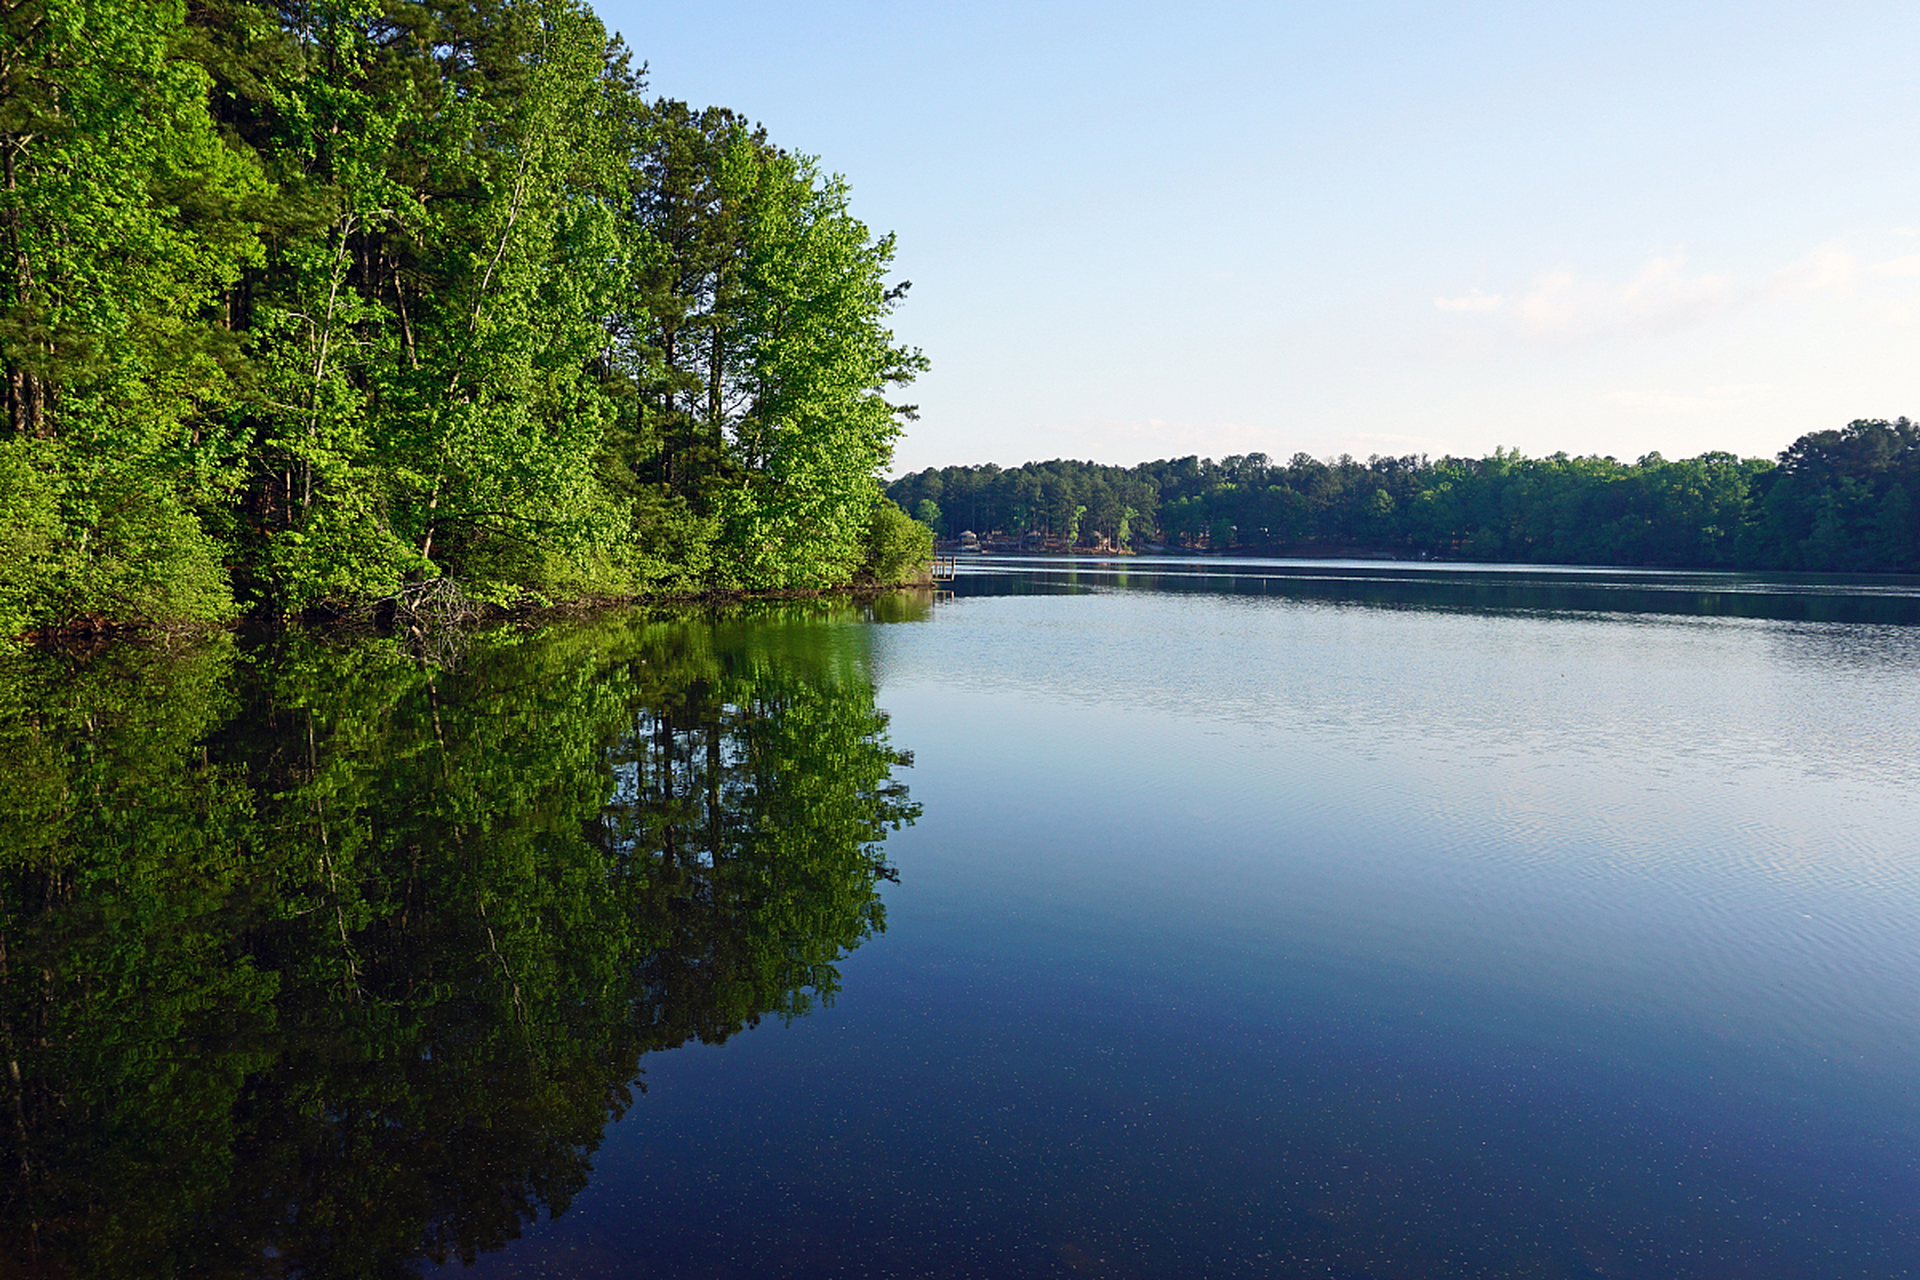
{"points": [[127, 1002], [344, 961], [755, 796]]}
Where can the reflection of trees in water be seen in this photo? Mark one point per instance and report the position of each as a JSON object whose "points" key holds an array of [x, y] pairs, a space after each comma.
{"points": [[316, 962]]}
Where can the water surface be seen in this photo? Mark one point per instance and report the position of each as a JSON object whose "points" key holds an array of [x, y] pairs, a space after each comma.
{"points": [[1249, 918], [1363, 919]]}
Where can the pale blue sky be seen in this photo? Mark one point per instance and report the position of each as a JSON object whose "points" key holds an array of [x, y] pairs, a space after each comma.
{"points": [[1141, 231]]}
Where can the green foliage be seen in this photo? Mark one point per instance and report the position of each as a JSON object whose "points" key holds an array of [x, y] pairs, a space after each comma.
{"points": [[137, 555], [1843, 500], [757, 350], [30, 530], [101, 544], [898, 547], [426, 347], [819, 360], [123, 219], [1058, 500], [338, 297], [1836, 500]]}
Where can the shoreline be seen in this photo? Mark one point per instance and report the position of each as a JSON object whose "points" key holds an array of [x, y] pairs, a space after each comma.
{"points": [[386, 617]]}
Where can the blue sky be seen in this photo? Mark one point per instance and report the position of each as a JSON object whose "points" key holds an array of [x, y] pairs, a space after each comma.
{"points": [[1142, 231]]}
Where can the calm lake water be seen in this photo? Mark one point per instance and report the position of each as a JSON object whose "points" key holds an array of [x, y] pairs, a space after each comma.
{"points": [[1232, 918]]}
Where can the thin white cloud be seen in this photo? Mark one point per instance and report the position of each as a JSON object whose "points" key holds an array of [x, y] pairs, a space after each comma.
{"points": [[1660, 296], [1831, 266], [1663, 402], [1903, 266], [1561, 305], [1903, 313], [1471, 300]]}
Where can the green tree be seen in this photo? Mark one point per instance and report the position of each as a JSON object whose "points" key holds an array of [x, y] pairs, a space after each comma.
{"points": [[425, 335], [123, 216], [897, 547], [754, 336], [1827, 505], [818, 429]]}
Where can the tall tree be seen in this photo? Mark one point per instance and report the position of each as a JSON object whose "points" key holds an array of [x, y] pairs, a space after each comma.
{"points": [[820, 361], [757, 335], [123, 217], [428, 339]]}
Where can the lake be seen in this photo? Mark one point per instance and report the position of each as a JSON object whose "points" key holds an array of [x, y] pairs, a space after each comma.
{"points": [[1182, 917]]}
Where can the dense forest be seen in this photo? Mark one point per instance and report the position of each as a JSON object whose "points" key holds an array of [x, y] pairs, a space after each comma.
{"points": [[326, 305], [305, 305], [1842, 500]]}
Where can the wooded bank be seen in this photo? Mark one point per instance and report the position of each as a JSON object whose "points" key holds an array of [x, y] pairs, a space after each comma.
{"points": [[1834, 501], [301, 305]]}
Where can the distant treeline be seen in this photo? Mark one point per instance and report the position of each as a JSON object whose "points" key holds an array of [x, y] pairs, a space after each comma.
{"points": [[1841, 500], [304, 303]]}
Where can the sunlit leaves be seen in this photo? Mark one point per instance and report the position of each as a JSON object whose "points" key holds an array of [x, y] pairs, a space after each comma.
{"points": [[311, 302]]}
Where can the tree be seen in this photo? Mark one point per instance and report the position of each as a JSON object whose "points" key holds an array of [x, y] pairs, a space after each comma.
{"points": [[123, 216], [424, 337], [756, 336], [1829, 504], [340, 296]]}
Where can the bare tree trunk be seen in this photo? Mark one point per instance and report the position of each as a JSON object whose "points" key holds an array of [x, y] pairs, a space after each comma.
{"points": [[26, 393], [718, 437], [406, 322]]}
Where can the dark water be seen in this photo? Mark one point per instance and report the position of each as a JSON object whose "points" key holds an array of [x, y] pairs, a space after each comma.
{"points": [[321, 960], [1258, 919]]}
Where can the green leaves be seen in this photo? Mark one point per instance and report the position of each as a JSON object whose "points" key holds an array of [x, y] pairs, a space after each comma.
{"points": [[336, 296], [760, 350], [897, 547], [124, 217]]}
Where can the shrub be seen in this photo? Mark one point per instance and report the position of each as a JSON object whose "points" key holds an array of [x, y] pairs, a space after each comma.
{"points": [[897, 545]]}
